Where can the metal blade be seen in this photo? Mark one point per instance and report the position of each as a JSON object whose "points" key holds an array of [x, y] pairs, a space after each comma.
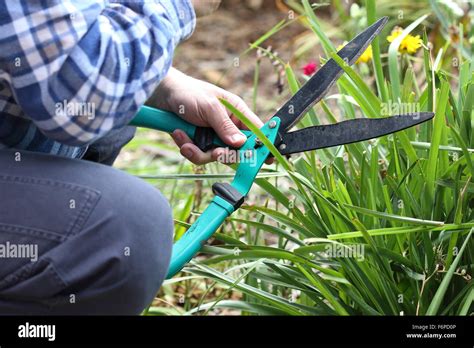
{"points": [[317, 87], [347, 132]]}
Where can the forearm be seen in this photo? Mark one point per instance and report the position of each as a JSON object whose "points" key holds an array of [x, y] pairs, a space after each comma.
{"points": [[169, 84]]}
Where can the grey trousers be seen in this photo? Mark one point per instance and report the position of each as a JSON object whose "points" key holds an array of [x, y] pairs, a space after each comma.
{"points": [[78, 238]]}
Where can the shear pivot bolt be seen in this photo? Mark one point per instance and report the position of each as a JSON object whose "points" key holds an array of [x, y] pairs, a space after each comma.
{"points": [[258, 142], [272, 124], [282, 146]]}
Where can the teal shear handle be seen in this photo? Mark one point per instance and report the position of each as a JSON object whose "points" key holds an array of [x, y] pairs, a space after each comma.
{"points": [[228, 197], [205, 138], [199, 232], [162, 120]]}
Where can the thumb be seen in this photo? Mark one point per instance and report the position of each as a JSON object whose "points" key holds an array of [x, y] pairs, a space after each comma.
{"points": [[225, 128]]}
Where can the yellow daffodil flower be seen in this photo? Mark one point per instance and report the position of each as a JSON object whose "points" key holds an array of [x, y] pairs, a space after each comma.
{"points": [[365, 57], [396, 32], [410, 44]]}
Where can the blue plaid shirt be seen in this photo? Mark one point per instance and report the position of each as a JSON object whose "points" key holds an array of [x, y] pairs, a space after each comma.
{"points": [[73, 70]]}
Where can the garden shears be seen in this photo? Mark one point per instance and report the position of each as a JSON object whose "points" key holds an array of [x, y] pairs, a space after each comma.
{"points": [[229, 197]]}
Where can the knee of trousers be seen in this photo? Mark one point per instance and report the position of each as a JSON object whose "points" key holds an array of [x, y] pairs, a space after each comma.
{"points": [[118, 262]]}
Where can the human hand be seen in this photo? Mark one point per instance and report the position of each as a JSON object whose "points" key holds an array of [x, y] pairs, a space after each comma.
{"points": [[198, 103]]}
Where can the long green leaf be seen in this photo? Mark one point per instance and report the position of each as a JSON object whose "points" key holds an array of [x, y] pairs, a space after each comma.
{"points": [[439, 295]]}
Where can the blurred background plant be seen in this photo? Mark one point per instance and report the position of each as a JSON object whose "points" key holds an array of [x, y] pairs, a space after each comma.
{"points": [[382, 227]]}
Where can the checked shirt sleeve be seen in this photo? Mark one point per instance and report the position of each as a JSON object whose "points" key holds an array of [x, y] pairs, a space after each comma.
{"points": [[80, 68]]}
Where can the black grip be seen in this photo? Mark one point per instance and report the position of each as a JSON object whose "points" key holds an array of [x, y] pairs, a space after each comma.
{"points": [[229, 193], [204, 138]]}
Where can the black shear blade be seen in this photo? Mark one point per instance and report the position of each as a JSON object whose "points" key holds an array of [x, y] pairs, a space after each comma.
{"points": [[317, 87], [347, 132]]}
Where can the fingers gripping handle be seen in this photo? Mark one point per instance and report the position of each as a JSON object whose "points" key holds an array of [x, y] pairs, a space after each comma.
{"points": [[205, 138]]}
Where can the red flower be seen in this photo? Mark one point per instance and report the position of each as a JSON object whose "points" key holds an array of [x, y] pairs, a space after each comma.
{"points": [[310, 68]]}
